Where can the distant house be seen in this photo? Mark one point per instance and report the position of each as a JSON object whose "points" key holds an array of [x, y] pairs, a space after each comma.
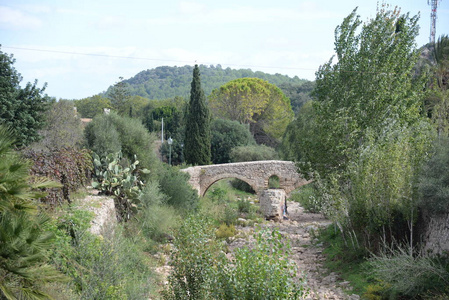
{"points": [[85, 121]]}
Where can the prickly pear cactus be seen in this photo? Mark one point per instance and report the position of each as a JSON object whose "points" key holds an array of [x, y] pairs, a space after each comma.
{"points": [[119, 178]]}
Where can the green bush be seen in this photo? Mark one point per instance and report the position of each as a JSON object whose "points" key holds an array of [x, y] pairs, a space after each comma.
{"points": [[230, 215], [111, 133], [225, 231], [102, 137], [109, 266], [135, 140], [156, 219], [308, 197], [202, 271], [218, 195], [261, 272], [194, 258], [173, 183], [408, 275], [227, 134], [273, 182], [253, 153], [244, 206], [91, 106]]}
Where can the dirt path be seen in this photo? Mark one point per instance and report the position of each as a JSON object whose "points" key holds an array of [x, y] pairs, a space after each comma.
{"points": [[307, 254]]}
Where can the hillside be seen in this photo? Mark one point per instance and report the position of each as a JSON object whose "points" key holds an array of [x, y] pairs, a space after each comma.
{"points": [[167, 82]]}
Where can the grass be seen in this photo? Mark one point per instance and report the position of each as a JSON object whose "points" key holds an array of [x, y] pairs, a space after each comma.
{"points": [[225, 204]]}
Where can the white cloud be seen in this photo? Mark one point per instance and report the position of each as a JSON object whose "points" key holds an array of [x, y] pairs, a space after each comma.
{"points": [[16, 19]]}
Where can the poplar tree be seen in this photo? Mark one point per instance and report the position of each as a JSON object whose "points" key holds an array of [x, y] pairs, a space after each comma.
{"points": [[197, 135]]}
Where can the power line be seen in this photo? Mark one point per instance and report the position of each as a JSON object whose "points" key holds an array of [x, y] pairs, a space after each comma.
{"points": [[151, 59], [187, 62]]}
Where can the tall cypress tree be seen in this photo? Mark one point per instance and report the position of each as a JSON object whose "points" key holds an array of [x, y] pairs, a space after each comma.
{"points": [[197, 134]]}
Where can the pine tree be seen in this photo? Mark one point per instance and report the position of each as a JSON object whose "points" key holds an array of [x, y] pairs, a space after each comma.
{"points": [[197, 134]]}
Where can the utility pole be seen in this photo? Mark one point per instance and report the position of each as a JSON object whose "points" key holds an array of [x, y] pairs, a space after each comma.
{"points": [[433, 19]]}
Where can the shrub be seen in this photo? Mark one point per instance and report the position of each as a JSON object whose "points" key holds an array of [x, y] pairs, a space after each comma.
{"points": [[69, 166], [252, 153], [261, 272], [225, 231], [244, 206], [409, 275], [227, 134], [111, 133], [180, 194], [193, 259], [309, 199], [102, 137], [218, 195], [92, 106], [135, 140], [111, 267], [229, 216], [63, 128], [202, 271], [273, 182], [156, 219]]}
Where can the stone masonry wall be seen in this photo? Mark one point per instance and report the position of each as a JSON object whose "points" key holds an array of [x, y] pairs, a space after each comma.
{"points": [[436, 237], [272, 202], [256, 174]]}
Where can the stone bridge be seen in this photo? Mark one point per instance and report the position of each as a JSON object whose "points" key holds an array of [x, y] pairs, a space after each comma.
{"points": [[255, 173]]}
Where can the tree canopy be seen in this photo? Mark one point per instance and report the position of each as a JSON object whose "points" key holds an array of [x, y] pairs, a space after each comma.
{"points": [[372, 84], [255, 102], [168, 82], [364, 135], [21, 109], [91, 106], [227, 134]]}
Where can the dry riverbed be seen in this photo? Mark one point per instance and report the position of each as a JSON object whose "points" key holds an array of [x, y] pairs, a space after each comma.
{"points": [[298, 229], [306, 252]]}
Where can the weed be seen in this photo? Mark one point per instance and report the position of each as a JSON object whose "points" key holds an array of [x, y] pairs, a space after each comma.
{"points": [[225, 231]]}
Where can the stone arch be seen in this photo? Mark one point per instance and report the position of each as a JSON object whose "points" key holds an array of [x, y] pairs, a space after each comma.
{"points": [[210, 182], [267, 181]]}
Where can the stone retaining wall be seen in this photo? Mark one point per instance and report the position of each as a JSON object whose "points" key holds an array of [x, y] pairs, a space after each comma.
{"points": [[436, 236]]}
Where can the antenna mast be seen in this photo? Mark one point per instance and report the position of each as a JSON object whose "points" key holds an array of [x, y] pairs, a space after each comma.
{"points": [[433, 19]]}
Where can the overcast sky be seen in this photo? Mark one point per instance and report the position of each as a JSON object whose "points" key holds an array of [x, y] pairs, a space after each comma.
{"points": [[125, 37]]}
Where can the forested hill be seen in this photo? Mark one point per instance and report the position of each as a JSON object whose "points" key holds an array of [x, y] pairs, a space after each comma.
{"points": [[168, 82]]}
